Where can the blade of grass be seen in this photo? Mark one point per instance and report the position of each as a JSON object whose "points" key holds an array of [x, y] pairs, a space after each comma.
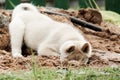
{"points": [[90, 2], [96, 5], [11, 3], [34, 67]]}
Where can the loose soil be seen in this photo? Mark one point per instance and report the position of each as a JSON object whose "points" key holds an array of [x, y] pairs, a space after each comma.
{"points": [[105, 44]]}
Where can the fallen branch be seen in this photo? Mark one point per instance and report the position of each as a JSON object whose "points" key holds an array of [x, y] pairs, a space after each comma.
{"points": [[77, 21]]}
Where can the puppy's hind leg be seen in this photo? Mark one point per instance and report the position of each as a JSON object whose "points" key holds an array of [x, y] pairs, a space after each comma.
{"points": [[16, 30]]}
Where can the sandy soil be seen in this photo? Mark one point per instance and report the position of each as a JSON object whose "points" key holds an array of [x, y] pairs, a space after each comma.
{"points": [[105, 44]]}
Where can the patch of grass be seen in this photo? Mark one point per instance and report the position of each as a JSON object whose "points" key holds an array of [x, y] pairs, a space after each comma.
{"points": [[71, 74], [111, 16]]}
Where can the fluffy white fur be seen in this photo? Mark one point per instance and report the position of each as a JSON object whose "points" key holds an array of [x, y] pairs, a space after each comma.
{"points": [[45, 35]]}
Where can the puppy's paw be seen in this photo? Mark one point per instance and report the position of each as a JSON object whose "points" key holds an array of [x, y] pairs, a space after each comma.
{"points": [[15, 55]]}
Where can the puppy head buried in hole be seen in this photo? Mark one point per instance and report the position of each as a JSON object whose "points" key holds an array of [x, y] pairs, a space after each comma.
{"points": [[76, 50]]}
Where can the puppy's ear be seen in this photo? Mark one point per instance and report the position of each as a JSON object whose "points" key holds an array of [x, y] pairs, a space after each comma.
{"points": [[67, 47], [86, 48], [70, 49]]}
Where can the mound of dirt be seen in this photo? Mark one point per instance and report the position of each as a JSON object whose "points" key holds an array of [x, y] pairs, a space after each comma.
{"points": [[89, 15], [105, 44]]}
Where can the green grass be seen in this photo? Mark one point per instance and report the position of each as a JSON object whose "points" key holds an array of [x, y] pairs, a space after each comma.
{"points": [[111, 16], [59, 74]]}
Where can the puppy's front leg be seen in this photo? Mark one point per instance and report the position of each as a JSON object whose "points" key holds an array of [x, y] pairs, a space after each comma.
{"points": [[16, 30]]}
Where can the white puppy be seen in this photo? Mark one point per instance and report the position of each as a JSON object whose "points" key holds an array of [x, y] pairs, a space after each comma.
{"points": [[45, 35]]}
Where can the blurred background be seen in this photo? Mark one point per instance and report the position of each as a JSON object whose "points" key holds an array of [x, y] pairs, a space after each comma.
{"points": [[112, 5]]}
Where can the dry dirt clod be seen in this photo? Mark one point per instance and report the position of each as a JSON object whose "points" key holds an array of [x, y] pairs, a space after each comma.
{"points": [[90, 15], [4, 19]]}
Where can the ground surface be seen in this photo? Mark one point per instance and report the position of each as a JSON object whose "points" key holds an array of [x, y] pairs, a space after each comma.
{"points": [[106, 44]]}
